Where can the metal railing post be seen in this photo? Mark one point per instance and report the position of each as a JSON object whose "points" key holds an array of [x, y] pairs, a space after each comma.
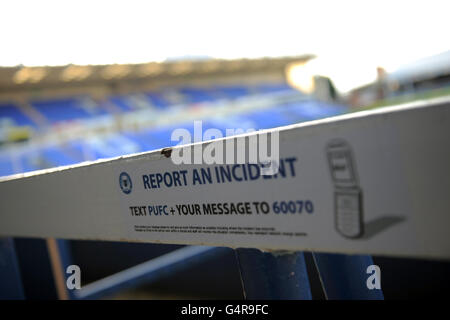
{"points": [[273, 275], [345, 277], [10, 280]]}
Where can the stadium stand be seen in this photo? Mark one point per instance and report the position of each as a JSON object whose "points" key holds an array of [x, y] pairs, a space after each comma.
{"points": [[132, 141], [86, 127]]}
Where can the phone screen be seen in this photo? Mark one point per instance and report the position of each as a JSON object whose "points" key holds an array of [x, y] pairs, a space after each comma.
{"points": [[341, 165]]}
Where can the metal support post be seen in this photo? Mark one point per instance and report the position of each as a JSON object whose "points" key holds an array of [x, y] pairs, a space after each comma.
{"points": [[345, 276], [273, 275]]}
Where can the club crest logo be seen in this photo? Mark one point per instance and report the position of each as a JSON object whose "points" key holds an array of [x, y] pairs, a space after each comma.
{"points": [[125, 183]]}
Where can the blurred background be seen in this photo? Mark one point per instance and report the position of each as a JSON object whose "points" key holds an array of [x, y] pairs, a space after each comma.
{"points": [[84, 80]]}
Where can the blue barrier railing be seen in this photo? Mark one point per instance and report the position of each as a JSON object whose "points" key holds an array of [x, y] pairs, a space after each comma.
{"points": [[10, 279], [264, 275]]}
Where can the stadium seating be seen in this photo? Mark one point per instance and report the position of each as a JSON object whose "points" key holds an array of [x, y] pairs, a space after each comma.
{"points": [[155, 137], [67, 109], [11, 112], [157, 99], [274, 88], [196, 95], [121, 103], [232, 92], [6, 165]]}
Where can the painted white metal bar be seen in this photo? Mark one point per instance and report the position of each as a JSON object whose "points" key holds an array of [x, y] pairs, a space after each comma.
{"points": [[372, 182]]}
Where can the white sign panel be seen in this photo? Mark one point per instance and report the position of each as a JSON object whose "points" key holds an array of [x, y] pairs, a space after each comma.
{"points": [[375, 182]]}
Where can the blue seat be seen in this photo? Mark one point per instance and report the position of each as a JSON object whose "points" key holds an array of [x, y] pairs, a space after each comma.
{"points": [[232, 92], [157, 138], [6, 165], [158, 100], [10, 111], [145, 142], [269, 118], [162, 137], [234, 122], [57, 156], [32, 160], [274, 88], [121, 103], [67, 109], [104, 147], [198, 95], [43, 158]]}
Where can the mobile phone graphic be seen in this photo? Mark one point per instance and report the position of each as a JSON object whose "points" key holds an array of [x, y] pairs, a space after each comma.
{"points": [[347, 193]]}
